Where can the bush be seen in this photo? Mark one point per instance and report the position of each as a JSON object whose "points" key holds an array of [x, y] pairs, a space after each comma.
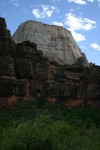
{"points": [[30, 126], [17, 138]]}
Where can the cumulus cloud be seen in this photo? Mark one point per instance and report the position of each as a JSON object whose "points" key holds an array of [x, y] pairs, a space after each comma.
{"points": [[76, 23], [44, 11], [95, 46], [57, 23], [77, 36], [79, 23], [37, 13]]}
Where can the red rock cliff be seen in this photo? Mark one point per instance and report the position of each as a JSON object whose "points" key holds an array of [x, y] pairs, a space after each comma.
{"points": [[26, 74]]}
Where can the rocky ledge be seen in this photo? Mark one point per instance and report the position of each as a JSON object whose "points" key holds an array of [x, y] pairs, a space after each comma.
{"points": [[26, 74]]}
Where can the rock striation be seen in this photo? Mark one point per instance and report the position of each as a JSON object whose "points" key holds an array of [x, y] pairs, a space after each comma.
{"points": [[56, 42], [26, 74]]}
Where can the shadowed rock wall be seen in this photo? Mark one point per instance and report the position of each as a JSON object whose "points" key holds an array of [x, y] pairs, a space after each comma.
{"points": [[26, 74]]}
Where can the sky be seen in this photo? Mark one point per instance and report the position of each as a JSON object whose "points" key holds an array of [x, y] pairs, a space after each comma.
{"points": [[81, 17]]}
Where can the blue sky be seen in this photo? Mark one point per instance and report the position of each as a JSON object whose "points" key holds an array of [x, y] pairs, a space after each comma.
{"points": [[82, 17]]}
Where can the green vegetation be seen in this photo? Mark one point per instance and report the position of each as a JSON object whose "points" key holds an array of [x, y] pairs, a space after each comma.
{"points": [[79, 61], [38, 125]]}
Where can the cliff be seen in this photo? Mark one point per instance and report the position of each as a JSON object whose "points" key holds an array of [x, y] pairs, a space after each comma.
{"points": [[56, 43], [26, 74]]}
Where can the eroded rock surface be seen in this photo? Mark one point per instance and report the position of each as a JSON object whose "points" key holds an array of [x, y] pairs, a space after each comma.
{"points": [[56, 42], [26, 74]]}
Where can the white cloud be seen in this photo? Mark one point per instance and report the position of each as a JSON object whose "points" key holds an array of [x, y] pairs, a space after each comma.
{"points": [[95, 46], [45, 11], [57, 23], [14, 2], [99, 2], [91, 1], [54, 1], [76, 23], [83, 47], [82, 2], [37, 13], [77, 36], [79, 23]]}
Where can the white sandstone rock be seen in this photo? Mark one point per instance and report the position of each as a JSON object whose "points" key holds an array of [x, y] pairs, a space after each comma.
{"points": [[56, 42]]}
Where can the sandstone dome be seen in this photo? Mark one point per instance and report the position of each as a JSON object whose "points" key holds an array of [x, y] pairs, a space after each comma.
{"points": [[56, 43]]}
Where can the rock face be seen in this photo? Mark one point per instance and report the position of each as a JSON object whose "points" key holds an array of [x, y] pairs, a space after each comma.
{"points": [[56, 42], [26, 74]]}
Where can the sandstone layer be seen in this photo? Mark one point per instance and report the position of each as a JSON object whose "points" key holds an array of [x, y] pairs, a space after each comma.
{"points": [[26, 74], [56, 43]]}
